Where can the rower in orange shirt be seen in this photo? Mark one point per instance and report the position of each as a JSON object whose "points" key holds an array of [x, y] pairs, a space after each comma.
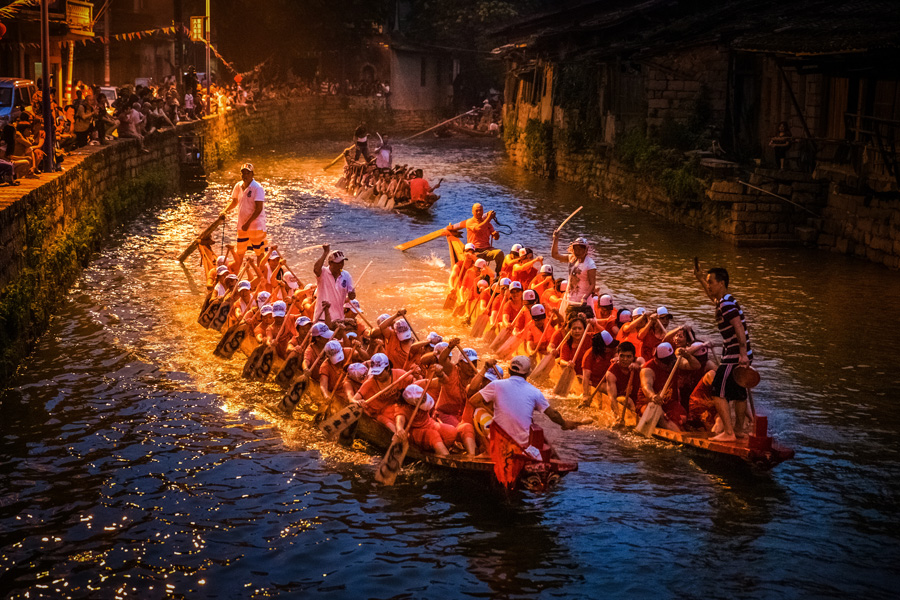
{"points": [[525, 270], [538, 332], [481, 234], [543, 281]]}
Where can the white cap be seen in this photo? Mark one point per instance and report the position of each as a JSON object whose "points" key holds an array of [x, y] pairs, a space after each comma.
{"points": [[529, 295], [662, 311], [664, 350], [402, 329], [547, 269], [247, 167], [266, 310], [291, 281], [274, 254], [480, 263], [515, 285], [336, 257], [538, 310], [279, 309], [520, 365], [231, 277], [523, 251], [221, 270], [302, 321], [625, 316], [357, 372], [470, 246], [321, 330], [243, 285], [470, 354], [434, 338], [492, 375], [353, 305], [580, 242], [639, 311], [350, 335], [382, 318], [334, 352], [605, 300], [441, 346], [380, 362], [220, 261], [482, 283], [564, 286], [309, 286], [505, 281], [413, 392], [262, 298], [515, 248], [607, 337], [696, 348]]}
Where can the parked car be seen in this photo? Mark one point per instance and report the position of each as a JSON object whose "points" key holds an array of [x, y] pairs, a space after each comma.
{"points": [[15, 95]]}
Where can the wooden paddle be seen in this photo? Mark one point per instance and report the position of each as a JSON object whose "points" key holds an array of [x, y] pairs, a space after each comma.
{"points": [[298, 386], [421, 240], [569, 218], [483, 318], [628, 389], [568, 375], [393, 459], [334, 426], [652, 415], [260, 371], [196, 243], [442, 123], [547, 327], [293, 364], [546, 364], [506, 332], [321, 411]]}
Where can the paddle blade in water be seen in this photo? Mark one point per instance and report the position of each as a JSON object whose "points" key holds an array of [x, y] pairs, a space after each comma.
{"points": [[543, 369], [508, 349], [450, 302], [501, 338], [565, 382], [391, 463], [478, 328], [335, 425], [651, 416], [490, 335]]}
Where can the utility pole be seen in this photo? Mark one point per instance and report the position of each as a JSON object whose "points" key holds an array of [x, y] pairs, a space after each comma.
{"points": [[106, 34], [179, 46], [208, 74], [47, 93]]}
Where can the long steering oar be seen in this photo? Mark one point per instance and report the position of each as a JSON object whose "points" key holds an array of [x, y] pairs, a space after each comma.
{"points": [[469, 112], [421, 240], [393, 459], [334, 162], [653, 411], [206, 232]]}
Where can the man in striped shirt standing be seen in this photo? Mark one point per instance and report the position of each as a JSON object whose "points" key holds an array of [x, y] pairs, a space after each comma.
{"points": [[737, 351]]}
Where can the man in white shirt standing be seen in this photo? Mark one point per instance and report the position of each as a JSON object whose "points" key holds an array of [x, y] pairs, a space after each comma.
{"points": [[250, 198], [582, 276], [333, 285]]}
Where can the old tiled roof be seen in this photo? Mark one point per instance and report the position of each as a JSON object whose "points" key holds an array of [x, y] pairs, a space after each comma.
{"points": [[636, 27]]}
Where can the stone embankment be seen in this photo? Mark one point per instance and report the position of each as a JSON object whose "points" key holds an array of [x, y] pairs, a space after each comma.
{"points": [[51, 226]]}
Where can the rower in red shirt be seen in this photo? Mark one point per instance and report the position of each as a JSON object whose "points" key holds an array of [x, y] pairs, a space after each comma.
{"points": [[538, 332], [596, 362], [384, 408], [653, 380], [623, 377], [420, 193]]}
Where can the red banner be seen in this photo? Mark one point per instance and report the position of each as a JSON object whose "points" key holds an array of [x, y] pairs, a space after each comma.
{"points": [[507, 456]]}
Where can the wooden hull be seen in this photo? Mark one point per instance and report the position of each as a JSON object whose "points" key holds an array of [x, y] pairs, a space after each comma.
{"points": [[535, 476], [470, 132]]}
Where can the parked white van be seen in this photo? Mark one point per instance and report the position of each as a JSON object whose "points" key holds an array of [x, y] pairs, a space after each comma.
{"points": [[15, 95]]}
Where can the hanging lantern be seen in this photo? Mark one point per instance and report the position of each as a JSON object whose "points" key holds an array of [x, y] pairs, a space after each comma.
{"points": [[238, 78], [2, 30]]}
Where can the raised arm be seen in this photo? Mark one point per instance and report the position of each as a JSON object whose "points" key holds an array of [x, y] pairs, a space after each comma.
{"points": [[554, 249], [317, 268], [702, 280]]}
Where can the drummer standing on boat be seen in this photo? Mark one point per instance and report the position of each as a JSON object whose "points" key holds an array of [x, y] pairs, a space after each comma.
{"points": [[736, 352], [481, 234], [333, 284], [250, 198]]}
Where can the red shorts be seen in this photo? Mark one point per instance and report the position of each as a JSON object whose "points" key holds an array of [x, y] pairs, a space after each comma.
{"points": [[429, 436]]}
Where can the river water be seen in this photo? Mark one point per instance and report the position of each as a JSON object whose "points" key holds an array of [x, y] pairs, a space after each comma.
{"points": [[135, 464]]}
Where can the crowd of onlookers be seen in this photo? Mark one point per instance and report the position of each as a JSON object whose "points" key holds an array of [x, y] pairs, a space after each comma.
{"points": [[94, 118]]}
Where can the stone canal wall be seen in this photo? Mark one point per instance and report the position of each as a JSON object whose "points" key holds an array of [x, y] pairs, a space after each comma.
{"points": [[51, 226]]}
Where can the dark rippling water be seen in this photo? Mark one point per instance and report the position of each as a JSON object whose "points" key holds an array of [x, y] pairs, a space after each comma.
{"points": [[134, 464]]}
